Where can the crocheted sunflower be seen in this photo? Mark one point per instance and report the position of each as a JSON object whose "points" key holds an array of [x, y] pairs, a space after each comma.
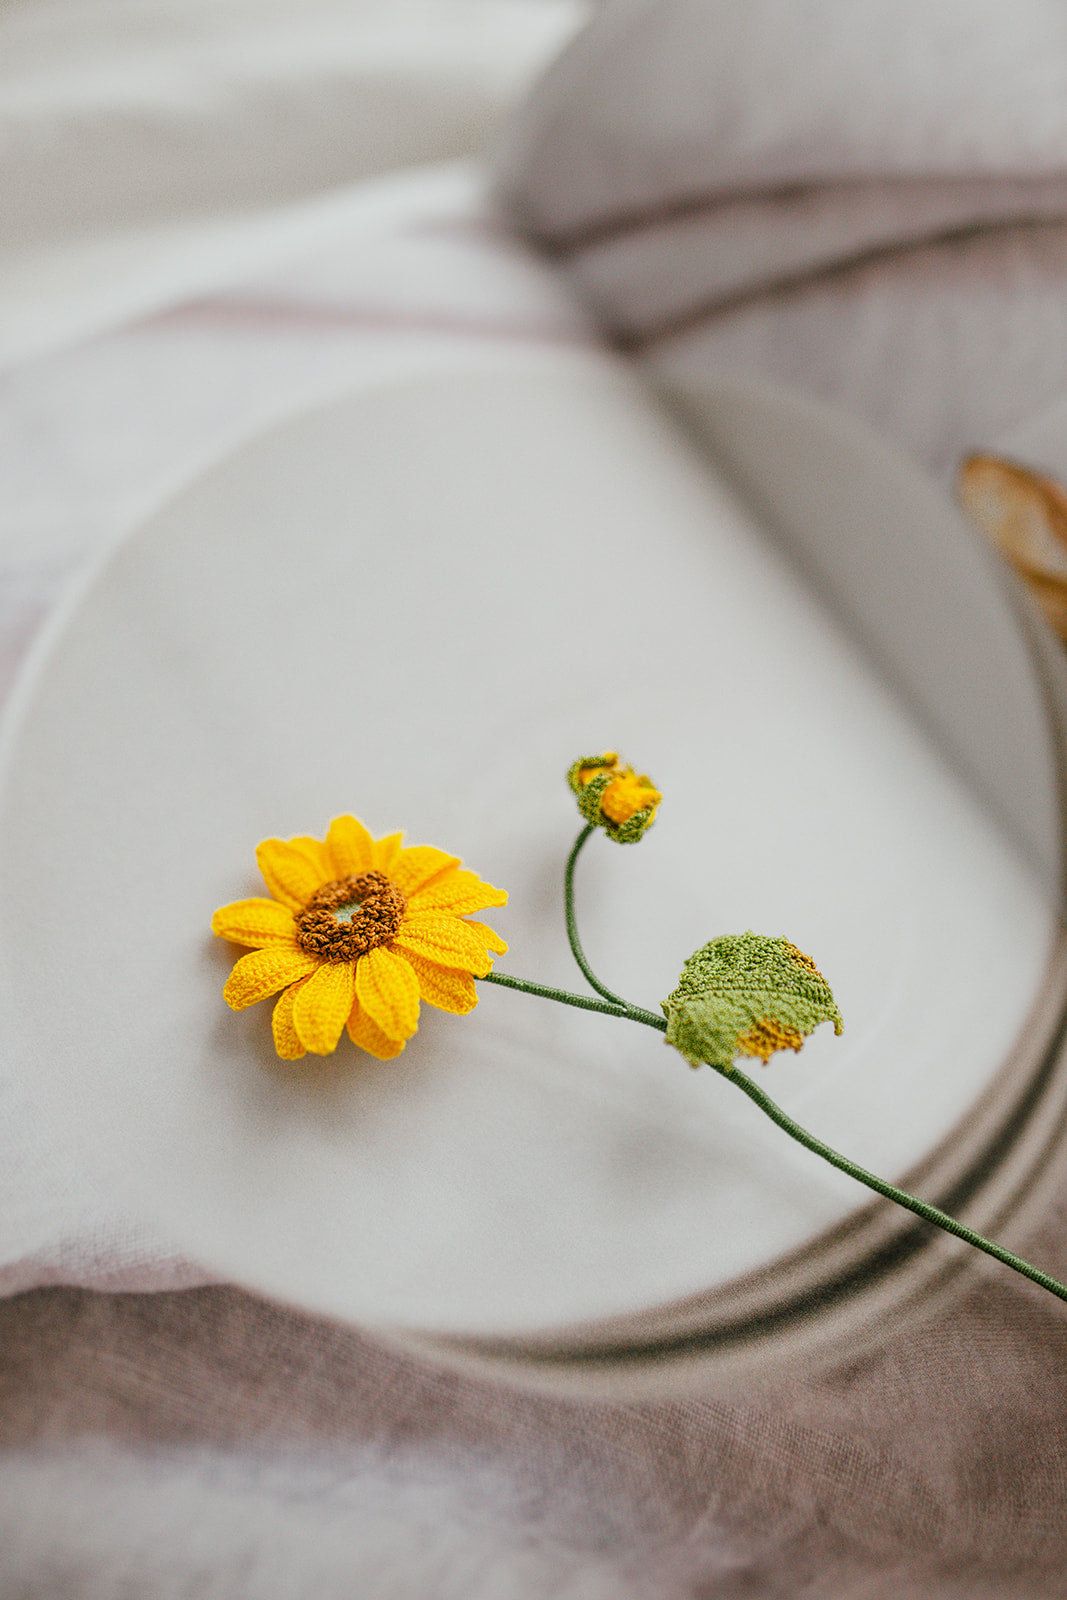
{"points": [[357, 932]]}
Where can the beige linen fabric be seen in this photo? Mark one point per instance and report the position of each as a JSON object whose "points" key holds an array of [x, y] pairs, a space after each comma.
{"points": [[207, 1444], [866, 202]]}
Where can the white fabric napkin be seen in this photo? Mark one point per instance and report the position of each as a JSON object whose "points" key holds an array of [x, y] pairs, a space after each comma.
{"points": [[157, 148], [163, 296], [865, 202]]}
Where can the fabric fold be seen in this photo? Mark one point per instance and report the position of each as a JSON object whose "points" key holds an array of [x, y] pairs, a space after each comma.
{"points": [[868, 203]]}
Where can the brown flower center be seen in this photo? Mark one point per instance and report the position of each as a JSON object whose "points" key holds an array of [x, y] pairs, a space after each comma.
{"points": [[350, 916]]}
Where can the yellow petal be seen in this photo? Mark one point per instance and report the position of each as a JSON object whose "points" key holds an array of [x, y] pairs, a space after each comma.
{"points": [[626, 795], [350, 846], [388, 991], [444, 987], [419, 864], [448, 941], [488, 936], [457, 892], [255, 923], [387, 853], [264, 972], [321, 1006], [293, 869], [286, 1039], [368, 1036]]}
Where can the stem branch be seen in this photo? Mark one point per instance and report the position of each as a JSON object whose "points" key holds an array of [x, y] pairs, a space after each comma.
{"points": [[572, 924], [612, 1008]]}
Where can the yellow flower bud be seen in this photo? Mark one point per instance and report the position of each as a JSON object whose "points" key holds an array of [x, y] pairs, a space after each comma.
{"points": [[613, 797]]}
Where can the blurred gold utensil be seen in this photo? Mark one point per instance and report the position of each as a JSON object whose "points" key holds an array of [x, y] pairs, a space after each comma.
{"points": [[1024, 513]]}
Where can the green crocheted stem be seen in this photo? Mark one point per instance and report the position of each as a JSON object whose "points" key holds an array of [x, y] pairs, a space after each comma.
{"points": [[583, 1002], [572, 925], [612, 1005], [910, 1202]]}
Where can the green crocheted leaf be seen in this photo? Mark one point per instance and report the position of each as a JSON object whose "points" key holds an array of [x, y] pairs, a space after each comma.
{"points": [[746, 995]]}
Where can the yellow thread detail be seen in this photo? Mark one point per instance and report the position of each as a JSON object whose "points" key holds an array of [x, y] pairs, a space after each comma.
{"points": [[802, 960], [588, 770], [765, 1037], [627, 794]]}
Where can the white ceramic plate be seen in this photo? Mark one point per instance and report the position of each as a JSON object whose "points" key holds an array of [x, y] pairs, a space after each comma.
{"points": [[419, 605]]}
